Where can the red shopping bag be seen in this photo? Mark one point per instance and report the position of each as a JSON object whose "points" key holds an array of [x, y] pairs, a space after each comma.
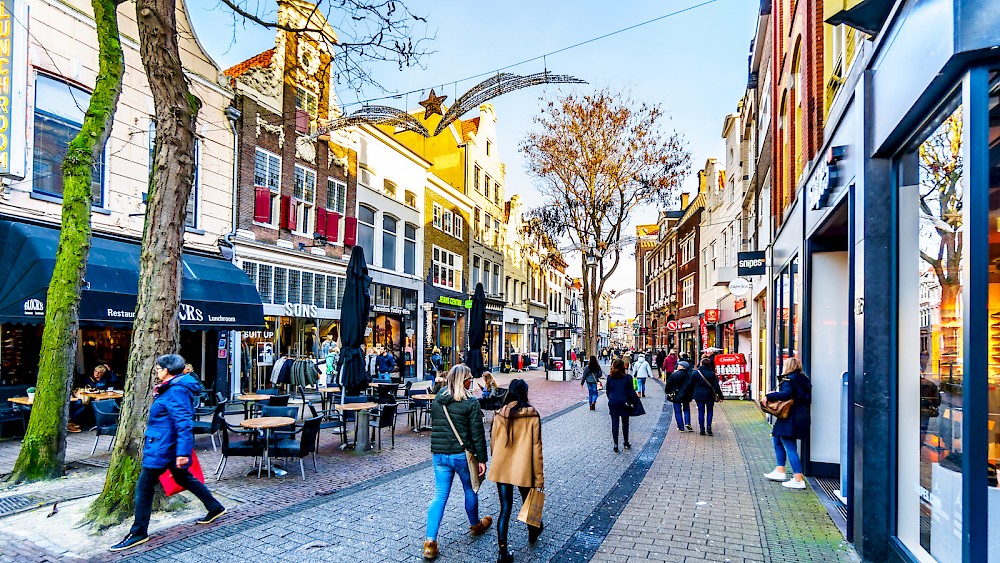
{"points": [[167, 478]]}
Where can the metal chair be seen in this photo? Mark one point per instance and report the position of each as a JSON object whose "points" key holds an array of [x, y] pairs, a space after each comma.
{"points": [[330, 419], [304, 446], [200, 427], [244, 448], [284, 431], [384, 417], [279, 401], [106, 419]]}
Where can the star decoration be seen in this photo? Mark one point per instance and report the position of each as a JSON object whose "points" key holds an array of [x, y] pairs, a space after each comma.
{"points": [[432, 105]]}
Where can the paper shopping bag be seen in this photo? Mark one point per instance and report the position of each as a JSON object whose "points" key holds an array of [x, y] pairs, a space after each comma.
{"points": [[170, 487], [531, 510]]}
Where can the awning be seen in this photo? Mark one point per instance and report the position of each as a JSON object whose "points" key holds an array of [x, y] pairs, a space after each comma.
{"points": [[215, 293]]}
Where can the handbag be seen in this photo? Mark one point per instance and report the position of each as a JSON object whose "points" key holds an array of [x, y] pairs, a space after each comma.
{"points": [[531, 510], [474, 476], [170, 486], [780, 409], [718, 398]]}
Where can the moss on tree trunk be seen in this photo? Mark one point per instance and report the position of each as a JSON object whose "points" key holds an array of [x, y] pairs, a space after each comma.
{"points": [[44, 448], [156, 329]]}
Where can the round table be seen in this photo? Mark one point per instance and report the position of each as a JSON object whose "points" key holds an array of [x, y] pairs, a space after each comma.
{"points": [[103, 395], [266, 423], [360, 421], [253, 397], [25, 401]]}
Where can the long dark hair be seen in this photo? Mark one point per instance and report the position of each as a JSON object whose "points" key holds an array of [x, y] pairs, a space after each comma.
{"points": [[594, 366], [517, 396], [617, 369]]}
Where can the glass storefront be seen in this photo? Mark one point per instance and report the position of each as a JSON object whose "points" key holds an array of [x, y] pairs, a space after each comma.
{"points": [[993, 353], [787, 295]]}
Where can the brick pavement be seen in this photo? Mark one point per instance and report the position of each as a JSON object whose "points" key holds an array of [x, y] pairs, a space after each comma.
{"points": [[384, 519], [705, 498]]}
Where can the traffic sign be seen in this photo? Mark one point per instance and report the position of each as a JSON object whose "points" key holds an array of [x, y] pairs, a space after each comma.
{"points": [[635, 325], [671, 325]]}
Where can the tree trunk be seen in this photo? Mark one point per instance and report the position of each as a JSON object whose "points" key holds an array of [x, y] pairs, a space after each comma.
{"points": [[43, 450], [156, 329]]}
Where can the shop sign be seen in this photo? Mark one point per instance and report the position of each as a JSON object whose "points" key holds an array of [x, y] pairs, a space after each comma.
{"points": [[300, 310], [671, 325], [704, 332], [391, 310], [711, 316], [751, 263], [13, 87], [686, 325], [34, 308], [739, 305], [468, 303], [818, 188], [739, 286], [450, 301], [643, 330]]}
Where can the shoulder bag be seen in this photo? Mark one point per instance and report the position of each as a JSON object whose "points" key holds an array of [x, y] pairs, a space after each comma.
{"points": [[474, 476], [780, 409]]}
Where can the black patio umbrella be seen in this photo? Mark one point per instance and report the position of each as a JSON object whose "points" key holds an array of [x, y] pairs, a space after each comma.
{"points": [[477, 332], [354, 308]]}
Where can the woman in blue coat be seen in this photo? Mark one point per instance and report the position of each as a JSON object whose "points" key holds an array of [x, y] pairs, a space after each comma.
{"points": [[168, 446], [793, 385], [622, 399]]}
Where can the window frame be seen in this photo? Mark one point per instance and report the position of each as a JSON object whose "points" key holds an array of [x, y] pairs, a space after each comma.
{"points": [[275, 190]]}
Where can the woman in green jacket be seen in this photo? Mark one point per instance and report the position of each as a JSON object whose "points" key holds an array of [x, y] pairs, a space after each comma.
{"points": [[448, 455]]}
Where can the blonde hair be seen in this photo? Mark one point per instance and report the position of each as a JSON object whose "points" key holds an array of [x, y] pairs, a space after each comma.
{"points": [[455, 380], [792, 364], [101, 368]]}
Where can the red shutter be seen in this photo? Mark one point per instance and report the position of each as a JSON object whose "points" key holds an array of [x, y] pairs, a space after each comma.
{"points": [[301, 121], [262, 205], [333, 226], [293, 213], [350, 231], [286, 204], [321, 222]]}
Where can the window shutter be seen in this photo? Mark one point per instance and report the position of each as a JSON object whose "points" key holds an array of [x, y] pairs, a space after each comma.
{"points": [[333, 226], [293, 213], [321, 222], [301, 121], [286, 204], [350, 231], [262, 205]]}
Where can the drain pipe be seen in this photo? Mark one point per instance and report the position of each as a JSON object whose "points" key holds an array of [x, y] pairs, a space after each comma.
{"points": [[226, 244], [233, 115]]}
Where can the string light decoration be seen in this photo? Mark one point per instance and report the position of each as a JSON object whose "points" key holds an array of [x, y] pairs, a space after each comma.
{"points": [[432, 105], [378, 115], [496, 86]]}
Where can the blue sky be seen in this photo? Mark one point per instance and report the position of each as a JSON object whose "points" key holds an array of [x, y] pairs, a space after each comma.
{"points": [[693, 64]]}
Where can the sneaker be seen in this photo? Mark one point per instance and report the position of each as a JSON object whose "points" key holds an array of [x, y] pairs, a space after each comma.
{"points": [[129, 542], [776, 476], [211, 516], [430, 549], [483, 525], [689, 428], [73, 427], [793, 484], [701, 432]]}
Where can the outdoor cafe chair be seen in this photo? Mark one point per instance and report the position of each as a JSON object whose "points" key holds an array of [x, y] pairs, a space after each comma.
{"points": [[304, 446], [284, 431], [329, 419], [307, 400], [220, 399], [266, 392], [279, 401], [106, 419], [386, 394], [251, 447], [201, 427], [384, 417]]}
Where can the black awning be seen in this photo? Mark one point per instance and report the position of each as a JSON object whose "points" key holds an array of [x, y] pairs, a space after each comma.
{"points": [[215, 293]]}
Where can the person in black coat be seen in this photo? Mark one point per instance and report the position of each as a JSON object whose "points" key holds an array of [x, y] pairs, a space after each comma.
{"points": [[793, 385], [677, 383], [622, 398], [704, 387], [660, 356]]}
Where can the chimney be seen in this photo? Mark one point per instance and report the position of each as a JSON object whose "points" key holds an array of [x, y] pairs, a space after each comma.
{"points": [[684, 200]]}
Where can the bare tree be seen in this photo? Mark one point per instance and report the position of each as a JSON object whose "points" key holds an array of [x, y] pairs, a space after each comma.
{"points": [[599, 157], [43, 450]]}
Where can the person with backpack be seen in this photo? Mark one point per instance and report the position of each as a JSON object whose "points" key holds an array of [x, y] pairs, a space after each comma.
{"points": [[677, 391], [591, 377], [642, 372], [704, 388], [794, 385]]}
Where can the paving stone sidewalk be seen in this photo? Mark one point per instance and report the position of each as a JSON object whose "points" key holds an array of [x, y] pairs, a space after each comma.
{"points": [[705, 498], [384, 519]]}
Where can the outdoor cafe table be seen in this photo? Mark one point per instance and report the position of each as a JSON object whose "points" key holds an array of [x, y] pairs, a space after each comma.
{"points": [[360, 421], [425, 397], [27, 402], [266, 423], [326, 391], [248, 400]]}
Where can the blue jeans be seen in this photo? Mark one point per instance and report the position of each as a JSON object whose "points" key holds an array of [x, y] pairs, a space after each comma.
{"points": [[445, 468], [703, 409], [783, 446], [642, 384], [592, 392], [682, 414]]}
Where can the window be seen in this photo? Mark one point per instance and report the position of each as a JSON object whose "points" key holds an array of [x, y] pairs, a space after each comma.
{"points": [[487, 225], [475, 270], [389, 242], [267, 182], [476, 173], [447, 221], [497, 193], [336, 195], [304, 183], [446, 269], [366, 232], [59, 109], [486, 276], [191, 211], [496, 278], [478, 215], [410, 198], [496, 232], [688, 251], [410, 249], [687, 292], [489, 147], [458, 227], [307, 107], [437, 216], [389, 188], [486, 186], [280, 285]]}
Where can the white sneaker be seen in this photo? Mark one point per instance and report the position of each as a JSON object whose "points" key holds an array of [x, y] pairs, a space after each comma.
{"points": [[776, 475], [793, 484]]}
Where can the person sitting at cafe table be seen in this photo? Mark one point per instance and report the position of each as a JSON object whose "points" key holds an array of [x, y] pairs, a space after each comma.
{"points": [[102, 379]]}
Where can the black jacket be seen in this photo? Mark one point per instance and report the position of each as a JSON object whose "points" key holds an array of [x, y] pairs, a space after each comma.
{"points": [[468, 419], [621, 392], [795, 386], [678, 381], [704, 390]]}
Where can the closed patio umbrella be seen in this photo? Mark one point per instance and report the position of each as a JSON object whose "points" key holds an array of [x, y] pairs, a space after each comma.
{"points": [[354, 308], [477, 332]]}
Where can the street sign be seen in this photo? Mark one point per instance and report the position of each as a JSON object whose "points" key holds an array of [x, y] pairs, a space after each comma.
{"points": [[635, 325], [671, 325], [739, 287], [751, 263]]}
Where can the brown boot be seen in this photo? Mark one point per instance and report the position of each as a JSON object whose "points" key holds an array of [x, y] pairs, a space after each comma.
{"points": [[483, 525], [430, 549]]}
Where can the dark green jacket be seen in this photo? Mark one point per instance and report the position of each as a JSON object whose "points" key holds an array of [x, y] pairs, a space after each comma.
{"points": [[468, 420]]}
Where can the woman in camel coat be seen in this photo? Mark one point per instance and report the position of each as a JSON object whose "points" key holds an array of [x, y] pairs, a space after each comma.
{"points": [[516, 442]]}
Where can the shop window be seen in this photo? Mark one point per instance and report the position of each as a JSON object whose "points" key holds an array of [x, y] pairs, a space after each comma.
{"points": [[264, 280], [332, 299], [319, 293], [280, 285], [307, 288], [267, 187], [410, 249], [366, 232], [304, 183], [389, 225], [336, 195], [294, 286], [59, 110]]}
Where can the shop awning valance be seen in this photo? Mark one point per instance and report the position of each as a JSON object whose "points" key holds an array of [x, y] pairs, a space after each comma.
{"points": [[215, 293]]}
